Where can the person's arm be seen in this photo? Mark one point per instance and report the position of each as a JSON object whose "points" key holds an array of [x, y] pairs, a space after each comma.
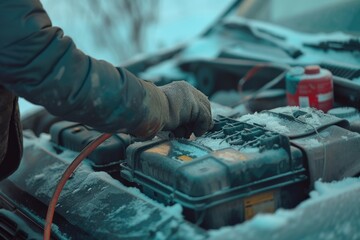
{"points": [[38, 63]]}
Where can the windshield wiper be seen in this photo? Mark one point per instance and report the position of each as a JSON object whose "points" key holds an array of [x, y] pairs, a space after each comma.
{"points": [[346, 46], [267, 35]]}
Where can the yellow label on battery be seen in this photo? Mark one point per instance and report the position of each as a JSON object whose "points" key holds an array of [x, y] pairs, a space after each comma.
{"points": [[162, 149], [230, 155], [184, 158], [259, 203]]}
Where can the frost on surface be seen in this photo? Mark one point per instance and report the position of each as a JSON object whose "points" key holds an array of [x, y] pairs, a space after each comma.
{"points": [[311, 142], [332, 212], [270, 122], [92, 200], [220, 110], [213, 144], [291, 121]]}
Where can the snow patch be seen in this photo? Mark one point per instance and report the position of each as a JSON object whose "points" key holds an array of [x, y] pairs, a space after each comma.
{"points": [[345, 138], [53, 174], [325, 189], [218, 109], [310, 142], [313, 118], [332, 212], [270, 122], [138, 207], [39, 176], [268, 222], [175, 210]]}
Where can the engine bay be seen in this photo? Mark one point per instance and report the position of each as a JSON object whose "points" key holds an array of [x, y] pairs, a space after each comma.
{"points": [[261, 157], [246, 165]]}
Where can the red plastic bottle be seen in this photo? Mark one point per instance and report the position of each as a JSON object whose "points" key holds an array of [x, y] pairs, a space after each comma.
{"points": [[311, 86]]}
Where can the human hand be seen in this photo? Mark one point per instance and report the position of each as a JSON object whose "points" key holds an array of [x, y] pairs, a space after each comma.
{"points": [[189, 110], [177, 107]]}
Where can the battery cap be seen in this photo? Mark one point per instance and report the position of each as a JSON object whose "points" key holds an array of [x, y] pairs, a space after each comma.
{"points": [[343, 112], [314, 69]]}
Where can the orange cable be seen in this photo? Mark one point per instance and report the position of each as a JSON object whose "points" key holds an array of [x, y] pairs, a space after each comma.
{"points": [[69, 171], [255, 69]]}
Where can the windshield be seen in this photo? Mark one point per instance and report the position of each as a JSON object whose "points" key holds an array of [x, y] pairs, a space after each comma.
{"points": [[321, 16]]}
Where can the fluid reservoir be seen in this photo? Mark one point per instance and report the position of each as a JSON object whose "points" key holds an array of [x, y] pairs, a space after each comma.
{"points": [[311, 86]]}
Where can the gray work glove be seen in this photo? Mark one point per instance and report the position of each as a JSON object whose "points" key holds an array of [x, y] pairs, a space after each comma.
{"points": [[177, 107]]}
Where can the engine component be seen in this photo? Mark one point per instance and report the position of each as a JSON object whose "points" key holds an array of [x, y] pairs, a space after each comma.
{"points": [[236, 171], [75, 136], [242, 167]]}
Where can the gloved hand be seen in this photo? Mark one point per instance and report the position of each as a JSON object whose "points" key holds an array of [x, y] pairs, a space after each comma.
{"points": [[176, 107]]}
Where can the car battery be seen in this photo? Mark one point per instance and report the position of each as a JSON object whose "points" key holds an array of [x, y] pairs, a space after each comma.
{"points": [[76, 136], [225, 177]]}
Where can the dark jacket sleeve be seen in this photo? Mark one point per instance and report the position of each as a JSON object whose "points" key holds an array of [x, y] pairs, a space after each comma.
{"points": [[39, 63]]}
